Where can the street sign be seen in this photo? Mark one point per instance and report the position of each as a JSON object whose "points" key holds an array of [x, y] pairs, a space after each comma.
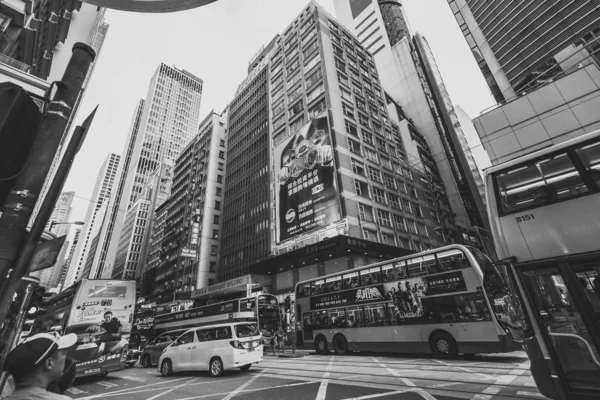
{"points": [[150, 6]]}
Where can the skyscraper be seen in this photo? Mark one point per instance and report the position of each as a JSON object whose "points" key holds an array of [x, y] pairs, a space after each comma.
{"points": [[520, 44], [410, 76], [168, 121], [97, 207], [313, 122]]}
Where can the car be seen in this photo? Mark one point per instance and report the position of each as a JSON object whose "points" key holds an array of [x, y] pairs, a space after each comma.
{"points": [[214, 348], [151, 352]]}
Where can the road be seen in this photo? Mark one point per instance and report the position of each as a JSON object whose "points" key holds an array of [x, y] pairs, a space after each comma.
{"points": [[317, 377]]}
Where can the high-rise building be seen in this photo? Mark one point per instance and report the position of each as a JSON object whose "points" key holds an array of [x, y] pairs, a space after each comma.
{"points": [[410, 76], [336, 163], [169, 120], [50, 277], [192, 227], [139, 221], [156, 253], [97, 207], [521, 44]]}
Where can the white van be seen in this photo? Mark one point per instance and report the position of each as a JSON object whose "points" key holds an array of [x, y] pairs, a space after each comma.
{"points": [[213, 348]]}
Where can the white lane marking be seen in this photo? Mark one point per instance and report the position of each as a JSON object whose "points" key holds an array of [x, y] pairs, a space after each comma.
{"points": [[439, 385], [156, 396], [486, 376], [531, 394], [406, 381], [123, 391], [106, 384], [426, 395], [74, 390], [521, 369], [244, 386], [503, 380], [487, 393], [374, 396], [322, 393], [134, 378], [246, 391]]}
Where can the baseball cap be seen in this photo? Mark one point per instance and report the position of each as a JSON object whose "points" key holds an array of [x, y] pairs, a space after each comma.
{"points": [[29, 354]]}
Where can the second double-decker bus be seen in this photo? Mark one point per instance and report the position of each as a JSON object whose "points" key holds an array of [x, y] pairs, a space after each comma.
{"points": [[100, 313], [438, 301], [261, 308], [544, 212]]}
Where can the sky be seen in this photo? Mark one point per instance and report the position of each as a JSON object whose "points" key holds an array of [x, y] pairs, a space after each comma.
{"points": [[215, 43]]}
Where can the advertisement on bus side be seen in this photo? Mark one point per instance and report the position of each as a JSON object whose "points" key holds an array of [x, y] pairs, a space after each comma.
{"points": [[307, 197]]}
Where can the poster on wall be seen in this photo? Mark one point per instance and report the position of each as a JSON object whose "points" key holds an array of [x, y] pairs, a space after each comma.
{"points": [[307, 197]]}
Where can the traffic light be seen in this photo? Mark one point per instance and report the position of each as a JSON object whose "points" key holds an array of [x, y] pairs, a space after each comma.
{"points": [[19, 120], [288, 303], [36, 304]]}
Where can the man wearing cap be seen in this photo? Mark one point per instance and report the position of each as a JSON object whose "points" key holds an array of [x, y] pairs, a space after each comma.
{"points": [[36, 363]]}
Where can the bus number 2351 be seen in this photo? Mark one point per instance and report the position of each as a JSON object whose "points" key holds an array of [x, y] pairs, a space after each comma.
{"points": [[526, 217]]}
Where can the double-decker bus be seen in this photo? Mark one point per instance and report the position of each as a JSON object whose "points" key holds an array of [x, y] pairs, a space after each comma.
{"points": [[100, 312], [544, 211], [438, 301], [261, 308]]}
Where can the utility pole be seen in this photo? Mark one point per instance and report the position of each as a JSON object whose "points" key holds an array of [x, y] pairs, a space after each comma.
{"points": [[25, 193]]}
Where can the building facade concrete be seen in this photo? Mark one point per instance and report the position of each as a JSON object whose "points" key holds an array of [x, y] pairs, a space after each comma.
{"points": [[98, 205], [519, 45], [168, 122]]}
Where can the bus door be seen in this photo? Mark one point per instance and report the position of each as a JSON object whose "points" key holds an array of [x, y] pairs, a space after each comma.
{"points": [[566, 300]]}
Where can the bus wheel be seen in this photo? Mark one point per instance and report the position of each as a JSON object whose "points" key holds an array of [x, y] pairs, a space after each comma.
{"points": [[340, 345], [146, 361], [443, 345], [321, 345], [166, 368]]}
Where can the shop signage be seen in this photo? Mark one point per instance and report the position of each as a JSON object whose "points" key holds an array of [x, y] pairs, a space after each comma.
{"points": [[241, 281], [207, 311], [445, 283]]}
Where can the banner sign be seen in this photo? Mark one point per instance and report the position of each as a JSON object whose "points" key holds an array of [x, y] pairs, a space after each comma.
{"points": [[307, 197], [206, 311], [446, 283]]}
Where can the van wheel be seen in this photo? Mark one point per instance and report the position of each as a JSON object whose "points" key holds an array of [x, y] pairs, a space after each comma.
{"points": [[245, 367], [443, 345], [146, 361], [215, 368], [321, 345], [340, 345], [166, 368]]}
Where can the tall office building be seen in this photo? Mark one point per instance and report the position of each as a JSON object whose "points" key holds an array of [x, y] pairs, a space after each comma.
{"points": [[97, 207], [50, 277], [520, 44], [192, 226], [65, 266], [168, 121], [410, 76], [317, 152]]}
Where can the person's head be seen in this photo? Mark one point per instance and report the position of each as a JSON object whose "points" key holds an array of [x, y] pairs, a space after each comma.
{"points": [[107, 316], [40, 359]]}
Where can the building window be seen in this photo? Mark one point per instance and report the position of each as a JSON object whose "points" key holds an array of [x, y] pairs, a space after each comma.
{"points": [[213, 250], [216, 219], [407, 206], [371, 155], [367, 137], [379, 196], [215, 234], [354, 147], [365, 213], [383, 217], [211, 282], [381, 145], [348, 111], [418, 210], [399, 223], [412, 226], [358, 187], [369, 235], [212, 266], [394, 201], [221, 166], [389, 181], [375, 174], [219, 178], [358, 167], [221, 154], [222, 143], [217, 205], [219, 190], [351, 128]]}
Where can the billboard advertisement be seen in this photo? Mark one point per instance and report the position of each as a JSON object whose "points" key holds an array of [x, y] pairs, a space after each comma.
{"points": [[307, 196]]}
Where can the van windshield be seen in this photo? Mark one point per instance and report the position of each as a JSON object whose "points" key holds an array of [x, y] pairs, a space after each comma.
{"points": [[246, 330]]}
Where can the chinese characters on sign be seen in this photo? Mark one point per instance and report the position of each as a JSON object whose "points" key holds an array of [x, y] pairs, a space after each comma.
{"points": [[446, 283]]}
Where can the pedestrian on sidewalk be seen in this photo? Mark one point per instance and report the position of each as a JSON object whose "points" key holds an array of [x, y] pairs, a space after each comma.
{"points": [[39, 363], [275, 341]]}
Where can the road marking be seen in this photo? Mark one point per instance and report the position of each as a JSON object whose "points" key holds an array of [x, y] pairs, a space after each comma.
{"points": [[521, 369], [532, 394], [137, 388], [74, 390], [134, 378], [487, 393], [156, 396], [106, 384], [322, 393], [486, 376], [426, 395], [406, 381], [244, 386], [374, 396], [247, 390], [439, 385]]}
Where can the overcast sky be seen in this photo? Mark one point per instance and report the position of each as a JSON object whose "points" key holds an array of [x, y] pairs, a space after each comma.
{"points": [[215, 43]]}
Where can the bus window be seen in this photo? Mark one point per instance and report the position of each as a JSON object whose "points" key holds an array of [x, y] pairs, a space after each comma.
{"points": [[419, 266], [376, 315], [304, 290], [472, 307], [452, 260], [317, 287], [350, 280], [590, 157], [334, 284], [320, 320], [337, 318], [370, 276], [387, 271], [440, 309], [538, 183], [356, 317], [400, 270]]}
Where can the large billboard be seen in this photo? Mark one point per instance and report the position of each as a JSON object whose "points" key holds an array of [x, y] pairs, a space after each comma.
{"points": [[307, 195]]}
